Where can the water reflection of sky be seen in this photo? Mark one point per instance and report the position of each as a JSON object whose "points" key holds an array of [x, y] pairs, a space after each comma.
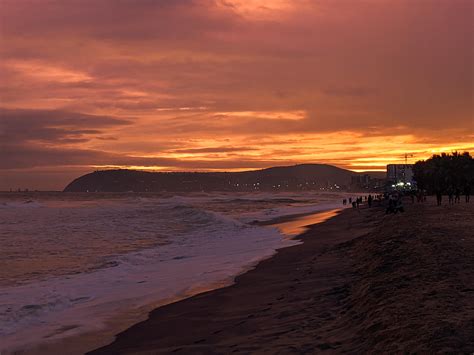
{"points": [[301, 224]]}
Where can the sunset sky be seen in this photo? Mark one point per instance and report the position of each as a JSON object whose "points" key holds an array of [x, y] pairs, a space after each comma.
{"points": [[229, 84]]}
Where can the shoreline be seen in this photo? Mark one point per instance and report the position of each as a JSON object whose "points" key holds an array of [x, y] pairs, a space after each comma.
{"points": [[292, 217], [256, 269], [364, 282], [87, 341]]}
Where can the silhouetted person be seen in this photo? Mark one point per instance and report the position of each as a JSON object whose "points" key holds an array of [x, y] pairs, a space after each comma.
{"points": [[350, 200], [394, 204], [457, 196], [467, 193], [369, 200], [392, 201], [439, 197], [450, 196], [419, 196], [399, 205]]}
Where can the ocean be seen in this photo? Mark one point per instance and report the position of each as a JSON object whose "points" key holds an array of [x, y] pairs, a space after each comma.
{"points": [[71, 262]]}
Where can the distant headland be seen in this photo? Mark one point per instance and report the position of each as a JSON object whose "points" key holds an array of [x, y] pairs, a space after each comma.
{"points": [[284, 178]]}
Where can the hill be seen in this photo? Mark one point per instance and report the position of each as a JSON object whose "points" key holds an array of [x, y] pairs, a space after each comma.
{"points": [[291, 178]]}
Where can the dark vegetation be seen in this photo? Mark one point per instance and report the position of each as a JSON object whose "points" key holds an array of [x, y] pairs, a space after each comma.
{"points": [[445, 173]]}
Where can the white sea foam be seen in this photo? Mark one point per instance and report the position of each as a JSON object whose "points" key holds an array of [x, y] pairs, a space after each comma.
{"points": [[21, 204], [71, 264]]}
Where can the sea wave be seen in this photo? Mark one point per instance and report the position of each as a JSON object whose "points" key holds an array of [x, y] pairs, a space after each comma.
{"points": [[90, 259]]}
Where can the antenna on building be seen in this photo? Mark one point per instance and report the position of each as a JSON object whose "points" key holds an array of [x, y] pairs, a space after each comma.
{"points": [[406, 156]]}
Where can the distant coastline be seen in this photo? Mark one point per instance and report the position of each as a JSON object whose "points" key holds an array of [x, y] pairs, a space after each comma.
{"points": [[304, 177]]}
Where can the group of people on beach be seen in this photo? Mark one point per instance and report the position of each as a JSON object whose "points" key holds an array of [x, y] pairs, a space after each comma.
{"points": [[395, 199], [357, 201], [454, 195], [394, 204]]}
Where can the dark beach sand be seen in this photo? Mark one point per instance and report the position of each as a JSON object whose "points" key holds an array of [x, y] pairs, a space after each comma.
{"points": [[361, 282]]}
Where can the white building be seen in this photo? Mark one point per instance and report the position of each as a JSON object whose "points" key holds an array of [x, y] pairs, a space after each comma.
{"points": [[397, 173]]}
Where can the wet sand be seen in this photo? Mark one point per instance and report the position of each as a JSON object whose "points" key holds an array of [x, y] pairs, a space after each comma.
{"points": [[361, 282]]}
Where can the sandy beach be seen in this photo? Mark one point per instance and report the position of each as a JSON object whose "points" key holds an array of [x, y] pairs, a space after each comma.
{"points": [[361, 282]]}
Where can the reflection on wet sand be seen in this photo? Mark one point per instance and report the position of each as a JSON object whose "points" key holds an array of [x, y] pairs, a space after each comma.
{"points": [[301, 224]]}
